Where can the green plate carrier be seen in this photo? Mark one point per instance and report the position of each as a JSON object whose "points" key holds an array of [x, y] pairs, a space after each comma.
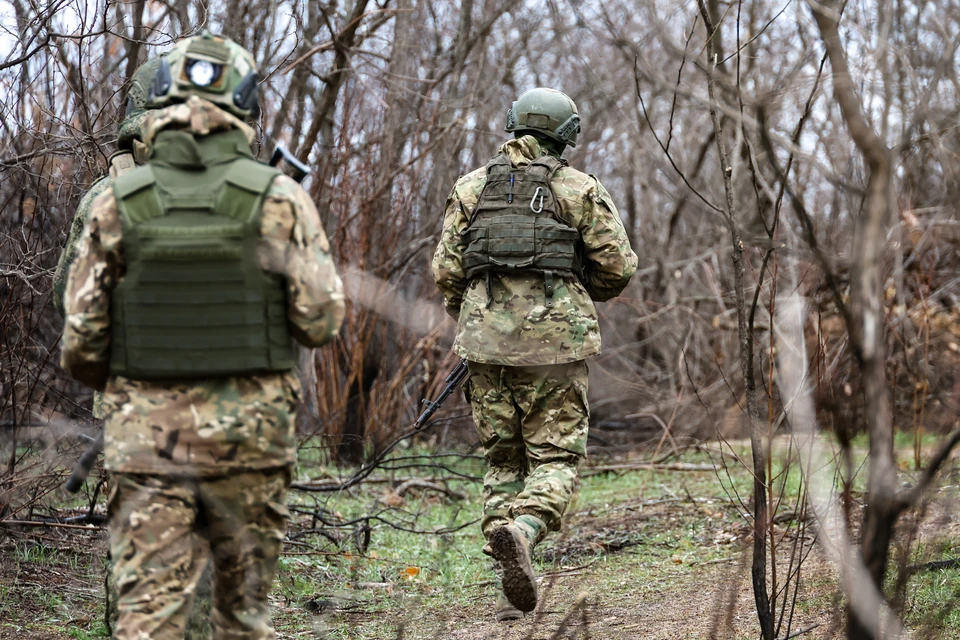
{"points": [[194, 301], [516, 226]]}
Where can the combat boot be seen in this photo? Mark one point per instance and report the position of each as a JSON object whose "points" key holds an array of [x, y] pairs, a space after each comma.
{"points": [[505, 611], [511, 548]]}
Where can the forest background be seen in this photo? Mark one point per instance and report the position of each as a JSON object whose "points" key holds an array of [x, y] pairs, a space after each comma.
{"points": [[787, 173]]}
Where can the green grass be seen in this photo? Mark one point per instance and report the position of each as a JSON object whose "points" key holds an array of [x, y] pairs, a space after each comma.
{"points": [[98, 630], [452, 574], [399, 568], [633, 538]]}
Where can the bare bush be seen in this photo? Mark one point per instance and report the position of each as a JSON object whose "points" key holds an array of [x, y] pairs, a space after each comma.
{"points": [[742, 141]]}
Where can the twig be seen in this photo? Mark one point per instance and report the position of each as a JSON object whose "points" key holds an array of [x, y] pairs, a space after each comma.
{"points": [[417, 483], [935, 565], [578, 606], [908, 497], [801, 632], [667, 466], [52, 525]]}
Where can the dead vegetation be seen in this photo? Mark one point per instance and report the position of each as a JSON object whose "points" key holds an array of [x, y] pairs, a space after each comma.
{"points": [[762, 156]]}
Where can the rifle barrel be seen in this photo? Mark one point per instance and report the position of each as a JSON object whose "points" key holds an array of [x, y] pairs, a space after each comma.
{"points": [[454, 379], [84, 464]]}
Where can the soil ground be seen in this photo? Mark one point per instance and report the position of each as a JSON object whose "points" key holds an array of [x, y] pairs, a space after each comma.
{"points": [[644, 554]]}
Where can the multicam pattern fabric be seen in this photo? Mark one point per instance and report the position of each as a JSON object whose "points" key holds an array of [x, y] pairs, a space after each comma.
{"points": [[209, 426], [533, 424], [73, 239], [162, 530], [204, 428], [513, 325], [131, 133], [131, 129], [129, 136], [196, 115]]}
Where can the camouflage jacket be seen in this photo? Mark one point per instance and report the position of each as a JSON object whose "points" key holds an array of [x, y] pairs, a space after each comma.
{"points": [[513, 326], [211, 426], [120, 162]]}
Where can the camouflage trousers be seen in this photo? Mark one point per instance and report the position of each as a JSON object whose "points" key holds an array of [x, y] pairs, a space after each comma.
{"points": [[163, 530], [533, 424]]}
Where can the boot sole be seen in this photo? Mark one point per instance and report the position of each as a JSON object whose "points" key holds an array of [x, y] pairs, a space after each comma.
{"points": [[509, 615], [519, 581]]}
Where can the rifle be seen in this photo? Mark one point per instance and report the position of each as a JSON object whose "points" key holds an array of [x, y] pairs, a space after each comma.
{"points": [[299, 171], [84, 464], [454, 380]]}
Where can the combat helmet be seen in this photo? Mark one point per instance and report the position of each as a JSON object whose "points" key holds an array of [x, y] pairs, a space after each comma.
{"points": [[136, 106], [211, 67], [545, 111]]}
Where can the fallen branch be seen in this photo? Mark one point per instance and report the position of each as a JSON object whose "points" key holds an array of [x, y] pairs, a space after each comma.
{"points": [[579, 606], [646, 466], [52, 525], [569, 571], [417, 483], [801, 632], [935, 565]]}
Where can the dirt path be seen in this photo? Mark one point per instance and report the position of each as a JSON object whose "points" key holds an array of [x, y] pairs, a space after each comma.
{"points": [[635, 572], [670, 564]]}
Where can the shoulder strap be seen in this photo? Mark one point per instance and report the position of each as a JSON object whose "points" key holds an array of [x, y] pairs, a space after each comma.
{"points": [[245, 184], [136, 194], [544, 166], [500, 164]]}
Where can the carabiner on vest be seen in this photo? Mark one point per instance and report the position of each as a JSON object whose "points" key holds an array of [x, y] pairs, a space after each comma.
{"points": [[538, 192]]}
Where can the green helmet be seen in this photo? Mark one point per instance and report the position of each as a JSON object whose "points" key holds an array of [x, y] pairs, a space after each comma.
{"points": [[210, 67], [545, 111], [136, 108]]}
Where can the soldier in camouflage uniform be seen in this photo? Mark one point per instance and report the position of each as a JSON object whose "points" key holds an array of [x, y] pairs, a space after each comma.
{"points": [[192, 274], [528, 245]]}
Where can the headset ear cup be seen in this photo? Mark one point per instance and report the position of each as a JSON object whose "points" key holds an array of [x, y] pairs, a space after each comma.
{"points": [[567, 132], [511, 118], [162, 80], [246, 96]]}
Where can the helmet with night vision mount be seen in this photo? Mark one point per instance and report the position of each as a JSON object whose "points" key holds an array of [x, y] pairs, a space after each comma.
{"points": [[211, 67], [546, 111]]}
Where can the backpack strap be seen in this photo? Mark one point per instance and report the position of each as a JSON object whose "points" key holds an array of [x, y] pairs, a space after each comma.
{"points": [[544, 168]]}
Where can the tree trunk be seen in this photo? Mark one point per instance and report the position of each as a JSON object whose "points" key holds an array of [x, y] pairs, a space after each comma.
{"points": [[760, 512], [867, 326]]}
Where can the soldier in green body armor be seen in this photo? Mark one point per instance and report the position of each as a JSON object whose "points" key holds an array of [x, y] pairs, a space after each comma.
{"points": [[528, 244], [191, 276]]}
